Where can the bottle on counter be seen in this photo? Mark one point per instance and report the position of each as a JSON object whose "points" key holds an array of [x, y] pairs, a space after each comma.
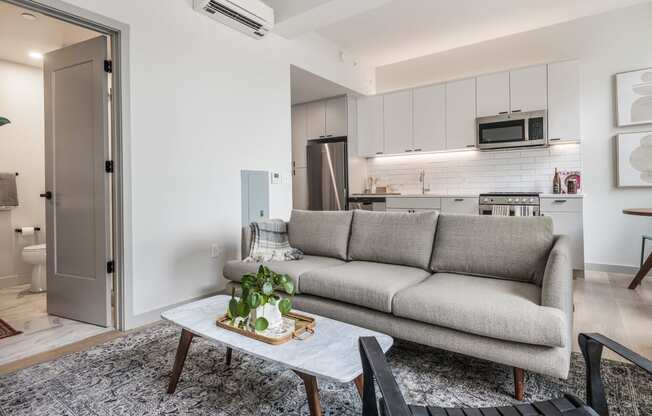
{"points": [[556, 183]]}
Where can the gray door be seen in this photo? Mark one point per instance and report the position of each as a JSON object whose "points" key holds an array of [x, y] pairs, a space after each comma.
{"points": [[77, 204], [255, 196]]}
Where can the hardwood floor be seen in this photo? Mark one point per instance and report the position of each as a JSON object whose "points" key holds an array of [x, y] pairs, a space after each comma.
{"points": [[27, 312], [602, 304]]}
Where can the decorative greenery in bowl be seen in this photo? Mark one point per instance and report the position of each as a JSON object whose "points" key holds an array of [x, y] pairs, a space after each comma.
{"points": [[259, 292]]}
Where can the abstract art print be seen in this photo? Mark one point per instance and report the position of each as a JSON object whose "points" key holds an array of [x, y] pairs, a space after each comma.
{"points": [[635, 159], [634, 97]]}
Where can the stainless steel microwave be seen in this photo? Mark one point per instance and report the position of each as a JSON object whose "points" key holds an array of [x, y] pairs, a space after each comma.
{"points": [[515, 129]]}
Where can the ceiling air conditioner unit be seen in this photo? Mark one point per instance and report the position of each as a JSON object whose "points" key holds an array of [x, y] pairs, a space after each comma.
{"points": [[252, 17]]}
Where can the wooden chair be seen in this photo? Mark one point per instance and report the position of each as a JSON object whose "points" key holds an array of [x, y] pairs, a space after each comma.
{"points": [[377, 372]]}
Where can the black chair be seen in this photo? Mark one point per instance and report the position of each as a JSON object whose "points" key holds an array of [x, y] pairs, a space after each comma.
{"points": [[377, 372]]}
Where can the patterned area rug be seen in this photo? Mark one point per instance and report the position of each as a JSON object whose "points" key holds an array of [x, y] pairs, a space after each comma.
{"points": [[128, 376], [6, 330]]}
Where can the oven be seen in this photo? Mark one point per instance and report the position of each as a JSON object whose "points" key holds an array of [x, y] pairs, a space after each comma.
{"points": [[513, 204], [515, 129]]}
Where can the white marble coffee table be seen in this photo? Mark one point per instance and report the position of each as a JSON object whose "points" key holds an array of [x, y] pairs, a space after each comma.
{"points": [[330, 354]]}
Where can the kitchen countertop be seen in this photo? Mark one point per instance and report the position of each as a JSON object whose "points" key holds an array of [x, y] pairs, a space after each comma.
{"points": [[452, 196]]}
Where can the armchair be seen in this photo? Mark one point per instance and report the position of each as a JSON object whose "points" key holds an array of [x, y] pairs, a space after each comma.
{"points": [[376, 371]]}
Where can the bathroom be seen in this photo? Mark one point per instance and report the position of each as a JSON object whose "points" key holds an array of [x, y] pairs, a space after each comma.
{"points": [[28, 324]]}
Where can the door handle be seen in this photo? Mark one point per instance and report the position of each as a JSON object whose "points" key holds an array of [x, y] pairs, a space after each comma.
{"points": [[46, 195]]}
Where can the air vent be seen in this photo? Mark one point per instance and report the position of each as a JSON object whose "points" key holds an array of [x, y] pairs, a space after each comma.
{"points": [[215, 7]]}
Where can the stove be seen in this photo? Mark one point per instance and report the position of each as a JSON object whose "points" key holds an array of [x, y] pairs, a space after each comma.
{"points": [[510, 204]]}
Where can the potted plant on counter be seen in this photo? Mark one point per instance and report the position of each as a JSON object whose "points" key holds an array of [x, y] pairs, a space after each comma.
{"points": [[261, 305]]}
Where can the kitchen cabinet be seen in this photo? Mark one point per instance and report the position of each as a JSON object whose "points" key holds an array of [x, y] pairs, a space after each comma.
{"points": [[316, 119], [397, 122], [414, 203], [460, 205], [564, 101], [566, 214], [336, 117], [529, 89], [300, 188], [493, 94], [429, 118], [460, 114], [370, 126], [299, 135]]}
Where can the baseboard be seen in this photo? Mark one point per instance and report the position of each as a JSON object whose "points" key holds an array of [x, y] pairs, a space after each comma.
{"points": [[14, 280], [611, 268], [155, 315]]}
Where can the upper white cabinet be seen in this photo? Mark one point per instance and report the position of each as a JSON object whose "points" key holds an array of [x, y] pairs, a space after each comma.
{"points": [[564, 101], [370, 126], [493, 94], [336, 117], [299, 135], [460, 114], [397, 122], [529, 88], [429, 113], [316, 118]]}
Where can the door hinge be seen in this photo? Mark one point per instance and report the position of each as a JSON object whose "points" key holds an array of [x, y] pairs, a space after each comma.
{"points": [[108, 166], [108, 66], [110, 267]]}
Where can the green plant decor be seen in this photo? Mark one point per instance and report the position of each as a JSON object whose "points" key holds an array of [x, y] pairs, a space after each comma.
{"points": [[259, 289], [4, 121]]}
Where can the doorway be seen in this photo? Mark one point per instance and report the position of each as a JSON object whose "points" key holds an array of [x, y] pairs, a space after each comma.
{"points": [[60, 286]]}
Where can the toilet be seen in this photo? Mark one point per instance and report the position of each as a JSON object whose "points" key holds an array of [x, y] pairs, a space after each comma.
{"points": [[35, 255]]}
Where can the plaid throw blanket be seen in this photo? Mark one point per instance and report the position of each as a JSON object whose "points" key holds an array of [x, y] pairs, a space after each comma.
{"points": [[269, 241]]}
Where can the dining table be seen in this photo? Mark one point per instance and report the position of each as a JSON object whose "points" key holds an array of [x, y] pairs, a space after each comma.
{"points": [[647, 264]]}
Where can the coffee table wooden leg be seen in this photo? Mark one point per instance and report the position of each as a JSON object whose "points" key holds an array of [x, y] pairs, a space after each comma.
{"points": [[645, 269], [180, 359], [229, 354], [359, 384], [312, 391]]}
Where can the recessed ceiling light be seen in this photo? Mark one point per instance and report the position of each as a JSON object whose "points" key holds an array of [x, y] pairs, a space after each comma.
{"points": [[36, 55], [28, 16]]}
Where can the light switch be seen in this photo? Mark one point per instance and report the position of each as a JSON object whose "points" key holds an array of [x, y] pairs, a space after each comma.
{"points": [[276, 178]]}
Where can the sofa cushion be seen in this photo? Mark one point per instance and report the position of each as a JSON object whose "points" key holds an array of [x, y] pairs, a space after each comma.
{"points": [[321, 233], [372, 285], [393, 237], [234, 269], [501, 309], [514, 248]]}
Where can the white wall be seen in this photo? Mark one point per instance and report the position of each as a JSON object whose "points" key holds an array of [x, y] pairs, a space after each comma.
{"points": [[472, 172], [605, 45], [206, 102], [21, 150]]}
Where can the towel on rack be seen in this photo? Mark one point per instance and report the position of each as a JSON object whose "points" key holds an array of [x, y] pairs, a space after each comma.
{"points": [[500, 210], [8, 190]]}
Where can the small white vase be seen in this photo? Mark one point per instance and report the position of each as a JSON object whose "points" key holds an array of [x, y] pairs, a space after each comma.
{"points": [[269, 312]]}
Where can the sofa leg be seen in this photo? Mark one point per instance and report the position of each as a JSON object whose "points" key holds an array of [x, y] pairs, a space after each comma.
{"points": [[519, 384]]}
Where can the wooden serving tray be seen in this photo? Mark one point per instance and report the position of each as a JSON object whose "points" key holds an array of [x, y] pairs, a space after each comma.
{"points": [[302, 325]]}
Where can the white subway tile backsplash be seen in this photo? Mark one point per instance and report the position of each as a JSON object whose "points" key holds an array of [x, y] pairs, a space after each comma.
{"points": [[476, 172]]}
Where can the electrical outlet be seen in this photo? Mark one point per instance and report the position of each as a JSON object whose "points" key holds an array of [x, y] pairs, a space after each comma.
{"points": [[215, 251]]}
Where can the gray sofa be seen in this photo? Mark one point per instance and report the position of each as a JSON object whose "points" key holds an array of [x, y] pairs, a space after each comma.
{"points": [[495, 288]]}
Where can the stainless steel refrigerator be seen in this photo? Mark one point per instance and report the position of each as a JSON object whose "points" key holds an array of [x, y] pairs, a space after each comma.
{"points": [[327, 174]]}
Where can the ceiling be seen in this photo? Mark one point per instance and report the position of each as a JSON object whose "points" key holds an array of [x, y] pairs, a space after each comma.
{"points": [[382, 32], [19, 37], [306, 87]]}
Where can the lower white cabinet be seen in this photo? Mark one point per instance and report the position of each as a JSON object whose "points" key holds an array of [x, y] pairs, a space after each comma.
{"points": [[414, 203], [300, 188], [460, 205], [566, 214], [411, 210]]}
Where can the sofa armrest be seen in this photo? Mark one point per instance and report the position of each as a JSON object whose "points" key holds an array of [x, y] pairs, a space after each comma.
{"points": [[245, 242], [557, 284]]}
